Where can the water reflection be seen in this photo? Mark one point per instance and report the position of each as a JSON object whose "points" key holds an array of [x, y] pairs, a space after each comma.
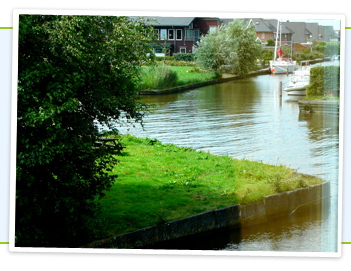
{"points": [[301, 232], [247, 119]]}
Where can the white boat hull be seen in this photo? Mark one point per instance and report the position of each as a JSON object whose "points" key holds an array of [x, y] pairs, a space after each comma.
{"points": [[282, 66], [297, 93]]}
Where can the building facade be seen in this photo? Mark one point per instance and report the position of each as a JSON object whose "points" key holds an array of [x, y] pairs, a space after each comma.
{"points": [[180, 34]]}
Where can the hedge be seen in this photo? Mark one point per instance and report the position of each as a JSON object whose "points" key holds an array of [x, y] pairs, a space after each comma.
{"points": [[323, 79], [161, 58], [184, 57]]}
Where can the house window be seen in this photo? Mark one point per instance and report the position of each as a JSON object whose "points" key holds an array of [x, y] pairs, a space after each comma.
{"points": [[212, 29], [192, 34], [163, 34], [182, 50], [179, 34], [158, 50], [188, 34], [196, 34], [171, 34], [262, 36]]}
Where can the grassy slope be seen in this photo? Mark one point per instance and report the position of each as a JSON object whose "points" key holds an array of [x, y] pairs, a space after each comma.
{"points": [[158, 183], [191, 77], [152, 79]]}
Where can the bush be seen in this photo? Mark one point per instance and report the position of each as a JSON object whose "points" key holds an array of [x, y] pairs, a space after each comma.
{"points": [[162, 58], [270, 42], [323, 79], [184, 57], [176, 63]]}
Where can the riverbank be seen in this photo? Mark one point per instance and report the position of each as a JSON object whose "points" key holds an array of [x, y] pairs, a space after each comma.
{"points": [[159, 183], [311, 199], [225, 78]]}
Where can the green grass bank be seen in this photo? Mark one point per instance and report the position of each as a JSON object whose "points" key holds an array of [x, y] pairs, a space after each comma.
{"points": [[158, 183], [164, 76]]}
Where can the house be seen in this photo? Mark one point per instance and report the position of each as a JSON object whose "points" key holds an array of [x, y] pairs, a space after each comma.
{"points": [[285, 33], [300, 31], [327, 34], [267, 28], [314, 32], [263, 31], [179, 34], [299, 47]]}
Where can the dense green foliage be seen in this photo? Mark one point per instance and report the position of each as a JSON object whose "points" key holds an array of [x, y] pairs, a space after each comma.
{"points": [[322, 79], [176, 63], [307, 55], [230, 49], [163, 182], [164, 76], [328, 49], [270, 42], [164, 58], [266, 56], [73, 71], [157, 77], [184, 57]]}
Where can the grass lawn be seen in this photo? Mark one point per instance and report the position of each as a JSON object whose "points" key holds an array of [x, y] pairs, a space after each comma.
{"points": [[191, 77], [162, 182], [163, 77]]}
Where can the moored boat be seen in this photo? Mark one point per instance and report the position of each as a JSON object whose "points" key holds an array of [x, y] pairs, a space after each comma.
{"points": [[298, 82], [281, 65]]}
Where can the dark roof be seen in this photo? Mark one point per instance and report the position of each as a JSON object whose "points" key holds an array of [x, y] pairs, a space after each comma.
{"points": [[260, 25], [168, 21], [273, 23]]}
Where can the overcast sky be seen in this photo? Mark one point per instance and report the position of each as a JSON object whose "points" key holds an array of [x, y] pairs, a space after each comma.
{"points": [[334, 23]]}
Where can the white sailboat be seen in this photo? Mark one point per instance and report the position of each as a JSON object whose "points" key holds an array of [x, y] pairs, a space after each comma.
{"points": [[281, 65]]}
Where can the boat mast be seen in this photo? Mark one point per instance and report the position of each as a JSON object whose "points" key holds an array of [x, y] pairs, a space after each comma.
{"points": [[280, 34], [276, 41]]}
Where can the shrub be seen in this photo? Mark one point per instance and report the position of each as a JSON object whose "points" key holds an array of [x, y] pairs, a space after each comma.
{"points": [[184, 57], [176, 63], [162, 58], [270, 42], [323, 79]]}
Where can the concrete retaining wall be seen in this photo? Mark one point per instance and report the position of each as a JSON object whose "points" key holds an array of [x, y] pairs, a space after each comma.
{"points": [[277, 205], [284, 204]]}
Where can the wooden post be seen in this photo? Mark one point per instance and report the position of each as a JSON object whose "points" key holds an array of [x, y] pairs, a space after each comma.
{"points": [[280, 88], [280, 92]]}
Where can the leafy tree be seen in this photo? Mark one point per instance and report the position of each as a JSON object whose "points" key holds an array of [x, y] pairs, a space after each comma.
{"points": [[321, 46], [270, 42], [231, 48], [73, 72], [332, 48], [267, 55]]}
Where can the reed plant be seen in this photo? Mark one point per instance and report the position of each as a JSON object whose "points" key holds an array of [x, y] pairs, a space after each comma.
{"points": [[158, 77]]}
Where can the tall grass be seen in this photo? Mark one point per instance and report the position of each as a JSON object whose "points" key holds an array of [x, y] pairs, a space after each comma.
{"points": [[163, 76], [158, 77]]}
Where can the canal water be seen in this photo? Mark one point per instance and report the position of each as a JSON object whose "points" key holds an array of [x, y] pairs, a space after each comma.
{"points": [[247, 119]]}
